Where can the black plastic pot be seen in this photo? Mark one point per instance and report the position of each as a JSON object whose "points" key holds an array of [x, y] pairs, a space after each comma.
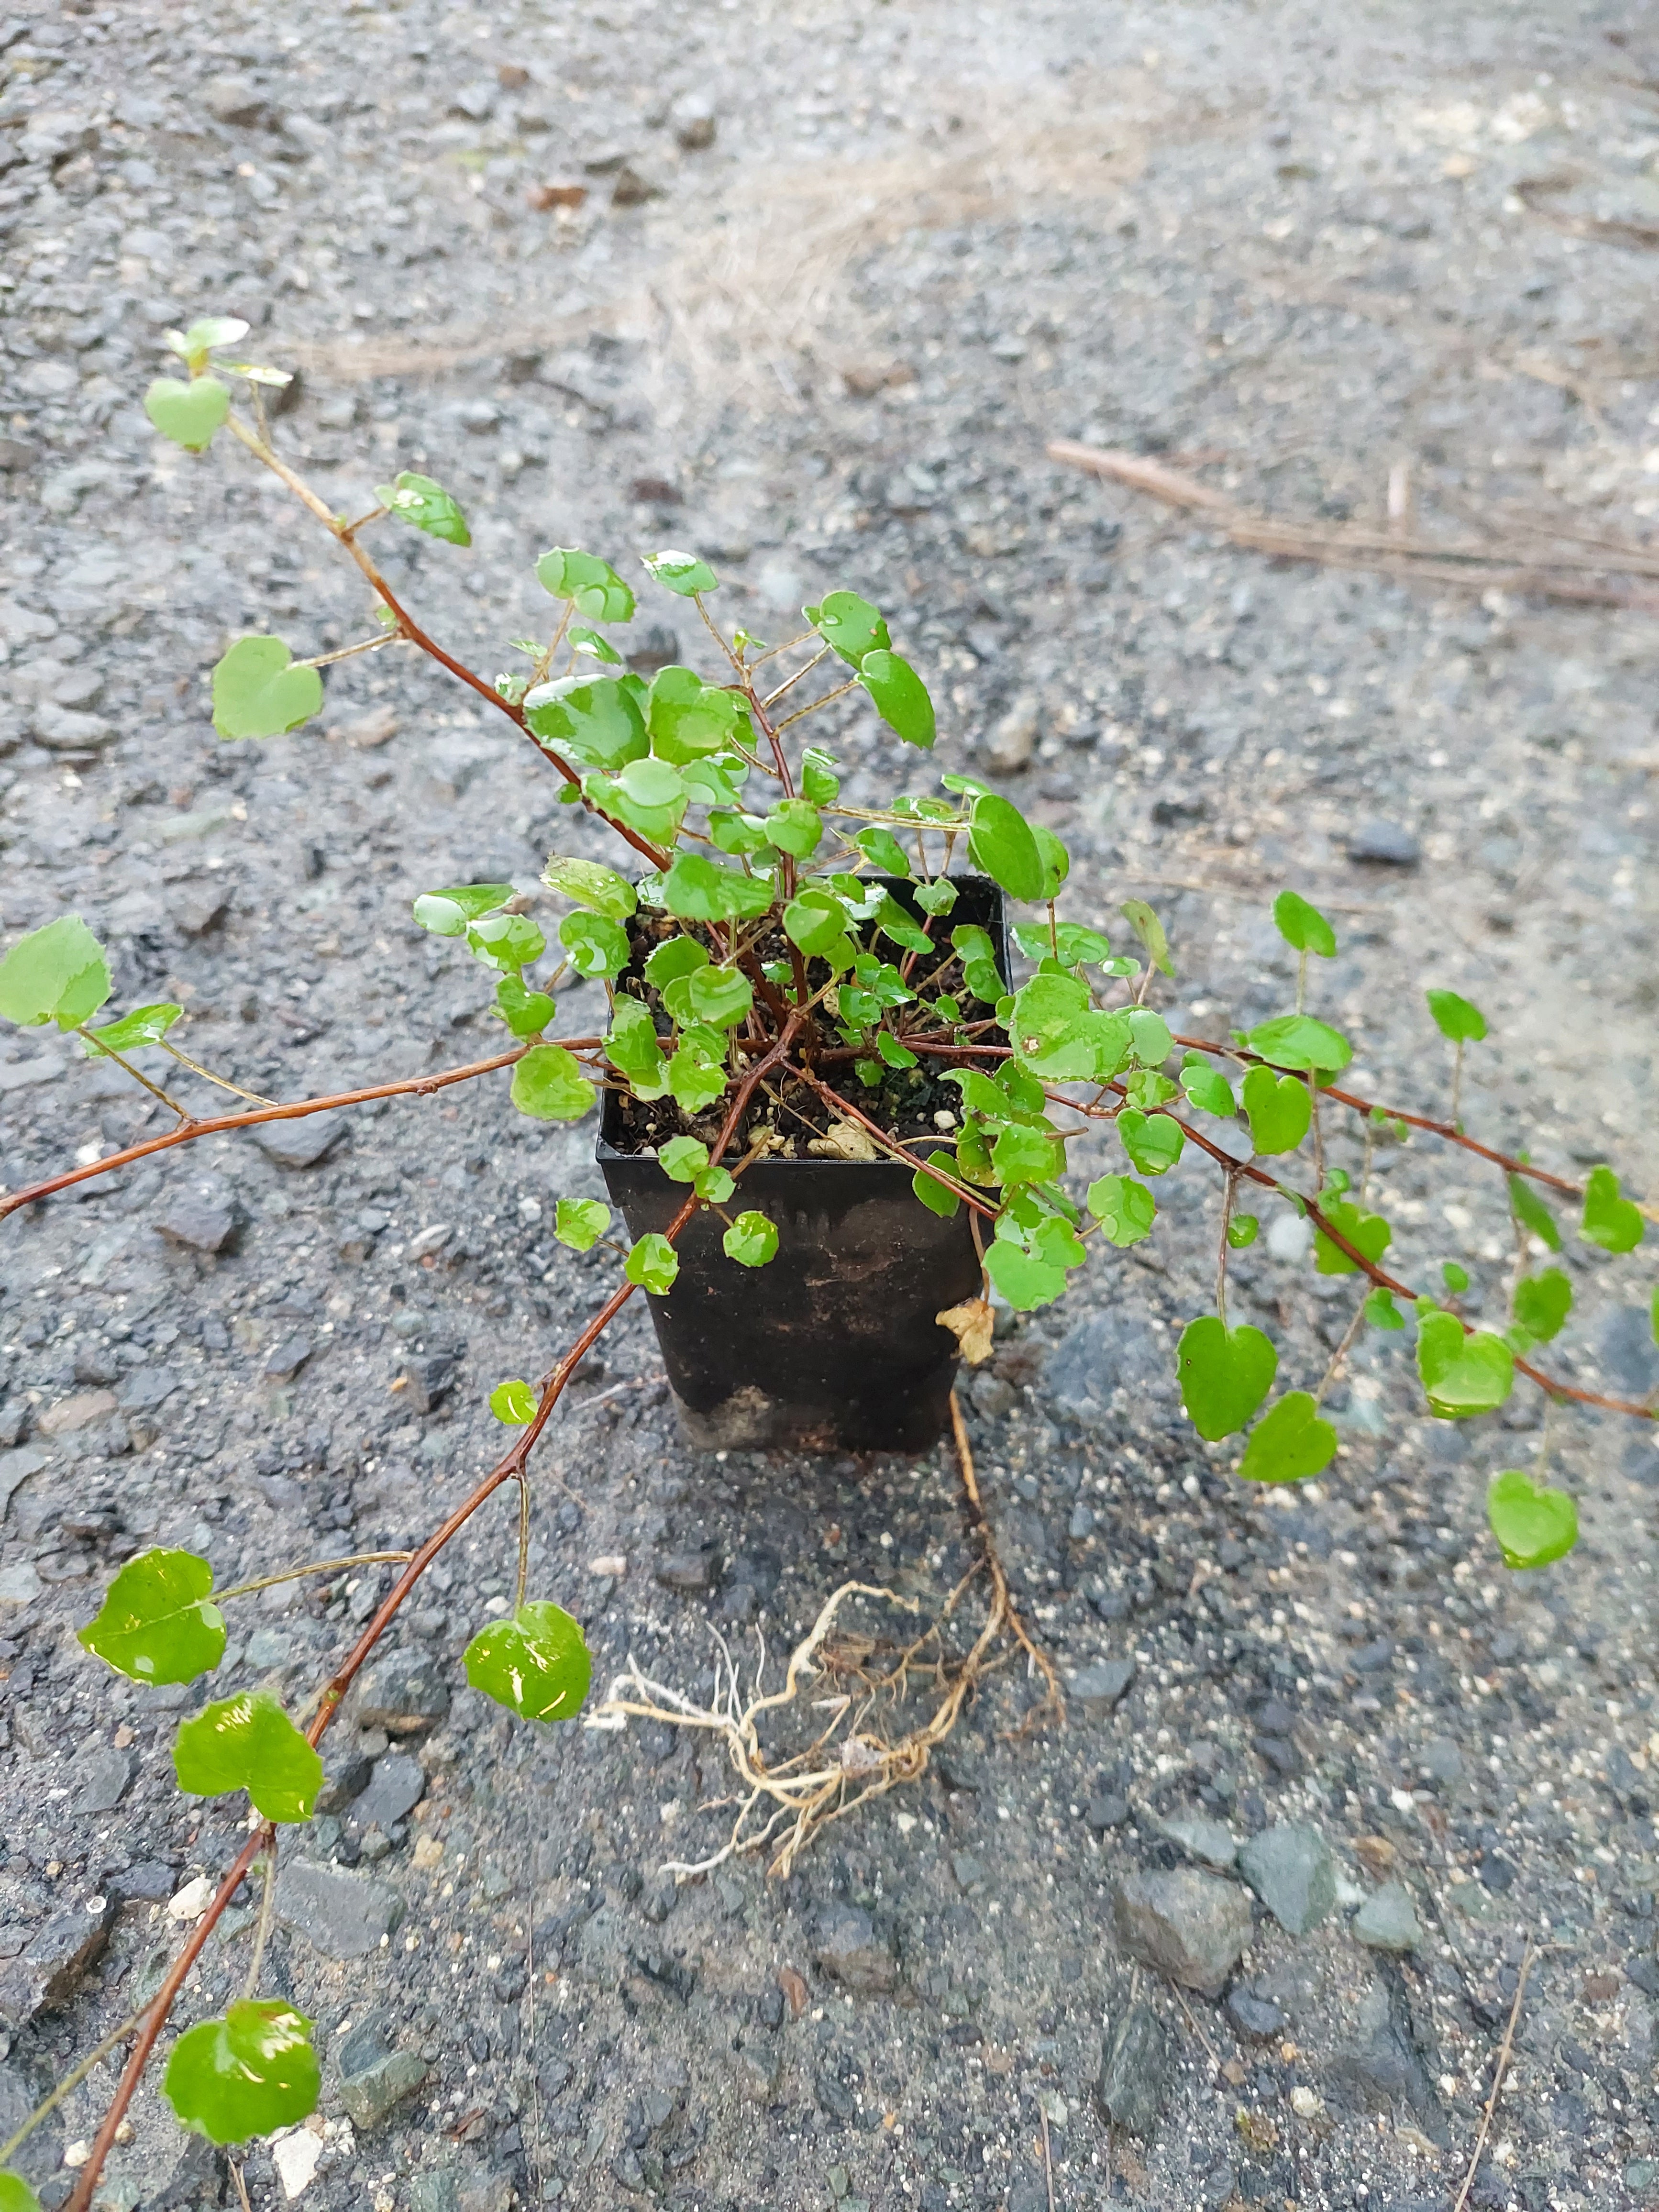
{"points": [[833, 1345]]}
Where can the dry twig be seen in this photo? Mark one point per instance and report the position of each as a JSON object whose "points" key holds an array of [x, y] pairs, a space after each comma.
{"points": [[1504, 2052]]}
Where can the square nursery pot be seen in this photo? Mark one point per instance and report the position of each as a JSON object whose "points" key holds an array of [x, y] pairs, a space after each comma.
{"points": [[833, 1346]]}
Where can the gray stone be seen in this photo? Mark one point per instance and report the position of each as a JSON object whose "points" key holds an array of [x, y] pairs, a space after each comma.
{"points": [[430, 1379], [1193, 1927], [196, 907], [343, 1915], [1098, 1688], [285, 1359], [970, 1873], [234, 100], [345, 1771], [433, 2192], [77, 1412], [402, 1693], [1210, 1842], [1384, 842], [1081, 1526], [1441, 1759], [16, 1467], [1628, 1353], [62, 730], [105, 1776], [692, 1574], [1388, 1920], [1388, 2065], [1014, 739], [393, 1791], [1109, 1810], [20, 1584], [1291, 1869], [758, 2067], [303, 1143], [847, 1948], [1099, 1354], [25, 2080], [1254, 2016], [148, 1388], [372, 2076], [49, 1969], [1134, 2068]]}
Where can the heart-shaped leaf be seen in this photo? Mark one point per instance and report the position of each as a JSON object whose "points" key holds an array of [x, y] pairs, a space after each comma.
{"points": [[1613, 1222], [1533, 1525], [751, 1240], [190, 413], [634, 1049], [248, 2074], [653, 1263], [248, 1742], [506, 940], [1542, 1302], [1278, 1110], [206, 337], [56, 974], [527, 1012], [697, 889], [535, 1663], [683, 574], [592, 586], [1225, 1375], [1125, 1209], [690, 719], [580, 1222], [696, 1075], [427, 505], [1367, 1232], [597, 946], [156, 1624], [595, 719], [1153, 1141], [1207, 1088], [259, 690], [1289, 1442], [720, 996], [1456, 1019], [1462, 1375], [548, 1086]]}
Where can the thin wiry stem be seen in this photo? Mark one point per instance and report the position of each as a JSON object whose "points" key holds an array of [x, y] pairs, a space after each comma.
{"points": [[262, 1933]]}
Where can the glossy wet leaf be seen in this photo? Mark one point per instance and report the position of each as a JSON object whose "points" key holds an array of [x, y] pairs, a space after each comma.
{"points": [[934, 1195], [1462, 1376], [1208, 1089], [795, 828], [592, 719], [1150, 930], [1024, 1155], [715, 1185], [718, 996], [259, 691], [899, 696], [535, 1662], [653, 1263], [56, 974], [506, 940], [634, 1049], [1304, 929], [1532, 1524], [447, 913], [592, 585], [674, 957], [597, 946], [1367, 1232], [248, 2074], [937, 897], [696, 1075], [158, 1623], [682, 1159], [1001, 846], [1532, 1213], [248, 1742], [751, 1240], [1296, 1041], [1153, 1141], [143, 1025], [849, 624], [580, 1222], [513, 1402], [1225, 1375], [1455, 1018], [1150, 1039], [814, 921], [208, 334], [591, 884], [591, 646], [818, 780], [1542, 1304], [683, 574], [527, 1012], [688, 719], [190, 413], [1290, 1443], [1025, 1279], [426, 506], [1125, 1209], [548, 1086], [1613, 1222]]}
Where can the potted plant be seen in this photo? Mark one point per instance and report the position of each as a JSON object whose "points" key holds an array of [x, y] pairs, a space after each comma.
{"points": [[834, 1124]]}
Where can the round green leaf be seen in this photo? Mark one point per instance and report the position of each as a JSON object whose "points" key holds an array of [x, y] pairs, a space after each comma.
{"points": [[696, 1075], [580, 1222], [719, 996], [258, 692], [156, 1624], [595, 719], [1023, 1155], [697, 889], [1208, 1089], [653, 1263], [1153, 1141], [16, 2195], [1305, 929], [1243, 1230], [446, 913], [548, 1086], [1149, 1036], [248, 2074], [248, 1742], [513, 1402], [1542, 1302], [190, 413], [936, 1196], [688, 719], [1381, 1311], [592, 586], [900, 697], [1289, 1441], [751, 1240], [1279, 1109], [1297, 1041], [796, 828], [1224, 1374], [674, 957], [1455, 1018], [56, 974], [1125, 1209], [1533, 1525], [682, 1159], [506, 940], [428, 506], [684, 574], [634, 1050], [814, 921], [535, 1663], [714, 1185], [1025, 1279], [591, 884], [851, 625], [1613, 1222], [818, 780], [1462, 1375], [527, 1012], [597, 946], [1001, 846]]}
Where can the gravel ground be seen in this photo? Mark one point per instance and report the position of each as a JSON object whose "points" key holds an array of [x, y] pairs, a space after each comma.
{"points": [[1285, 247]]}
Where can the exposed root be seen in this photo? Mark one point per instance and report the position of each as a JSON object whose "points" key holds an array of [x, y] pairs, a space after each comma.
{"points": [[853, 1756]]}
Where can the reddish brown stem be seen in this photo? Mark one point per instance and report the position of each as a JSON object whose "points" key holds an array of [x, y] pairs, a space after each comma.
{"points": [[891, 1145]]}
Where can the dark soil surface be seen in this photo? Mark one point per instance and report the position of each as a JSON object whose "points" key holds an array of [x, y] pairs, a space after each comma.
{"points": [[1285, 248]]}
